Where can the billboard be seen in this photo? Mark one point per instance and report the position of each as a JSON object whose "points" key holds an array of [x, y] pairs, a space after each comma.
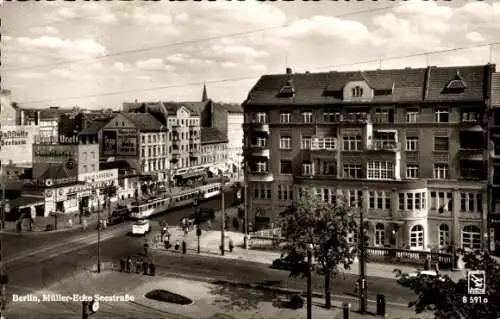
{"points": [[54, 155], [16, 143], [120, 142]]}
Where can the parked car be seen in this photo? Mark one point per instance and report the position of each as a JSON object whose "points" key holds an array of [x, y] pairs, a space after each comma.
{"points": [[426, 274], [141, 227], [286, 262]]}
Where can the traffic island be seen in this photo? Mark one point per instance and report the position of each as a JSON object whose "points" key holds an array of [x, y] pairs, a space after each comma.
{"points": [[167, 296]]}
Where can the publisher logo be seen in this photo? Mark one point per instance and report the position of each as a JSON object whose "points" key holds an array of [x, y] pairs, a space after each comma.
{"points": [[476, 282]]}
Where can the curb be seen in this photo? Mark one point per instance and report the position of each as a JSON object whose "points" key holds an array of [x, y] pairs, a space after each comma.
{"points": [[45, 232]]}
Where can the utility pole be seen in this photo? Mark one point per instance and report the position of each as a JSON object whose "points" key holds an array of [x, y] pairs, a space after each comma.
{"points": [[246, 244], [3, 195], [223, 217], [362, 264], [94, 191], [309, 281]]}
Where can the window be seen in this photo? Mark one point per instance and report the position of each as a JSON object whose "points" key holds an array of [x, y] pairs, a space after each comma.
{"points": [[285, 192], [324, 143], [444, 236], [379, 235], [441, 144], [384, 115], [262, 191], [285, 117], [441, 115], [379, 200], [307, 169], [306, 143], [143, 152], [285, 142], [286, 167], [441, 201], [417, 237], [261, 117], [440, 171], [412, 143], [327, 195], [352, 143], [412, 171], [412, 115], [380, 170], [307, 117], [327, 167], [149, 138], [85, 168], [412, 201], [357, 91], [352, 171], [84, 156], [259, 142], [261, 167], [143, 139], [93, 155], [354, 198], [331, 117], [471, 202], [471, 237]]}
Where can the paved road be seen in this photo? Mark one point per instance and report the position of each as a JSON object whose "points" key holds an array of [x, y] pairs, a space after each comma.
{"points": [[16, 245]]}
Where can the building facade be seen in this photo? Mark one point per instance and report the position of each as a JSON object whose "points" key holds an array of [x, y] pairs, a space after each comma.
{"points": [[16, 144], [214, 149], [8, 112], [494, 165], [407, 147]]}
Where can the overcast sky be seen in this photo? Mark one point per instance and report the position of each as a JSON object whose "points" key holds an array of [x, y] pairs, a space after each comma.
{"points": [[226, 44]]}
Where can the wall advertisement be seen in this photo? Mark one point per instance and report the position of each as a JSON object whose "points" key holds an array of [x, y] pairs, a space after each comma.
{"points": [[105, 176], [16, 143], [120, 142], [46, 156]]}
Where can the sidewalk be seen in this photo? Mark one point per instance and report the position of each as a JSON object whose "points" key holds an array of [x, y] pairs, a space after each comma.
{"points": [[211, 240]]}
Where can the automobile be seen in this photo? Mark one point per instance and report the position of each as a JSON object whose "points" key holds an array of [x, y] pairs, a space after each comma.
{"points": [[141, 227], [118, 216], [427, 274], [286, 262], [200, 216]]}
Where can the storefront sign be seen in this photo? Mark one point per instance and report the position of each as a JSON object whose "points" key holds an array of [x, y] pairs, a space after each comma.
{"points": [[99, 177], [16, 143], [120, 142], [72, 140]]}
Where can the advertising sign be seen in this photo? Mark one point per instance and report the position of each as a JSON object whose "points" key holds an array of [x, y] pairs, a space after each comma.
{"points": [[55, 155], [16, 143], [120, 142], [109, 175]]}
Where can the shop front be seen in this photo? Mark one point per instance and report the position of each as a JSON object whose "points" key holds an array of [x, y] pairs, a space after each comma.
{"points": [[66, 199]]}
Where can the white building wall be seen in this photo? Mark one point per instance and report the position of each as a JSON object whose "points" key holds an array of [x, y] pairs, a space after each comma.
{"points": [[235, 137]]}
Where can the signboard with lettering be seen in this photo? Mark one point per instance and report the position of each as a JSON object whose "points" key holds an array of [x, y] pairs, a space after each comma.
{"points": [[109, 175], [16, 143], [120, 142], [55, 155]]}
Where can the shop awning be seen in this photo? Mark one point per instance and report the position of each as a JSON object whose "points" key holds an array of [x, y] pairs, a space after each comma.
{"points": [[26, 201]]}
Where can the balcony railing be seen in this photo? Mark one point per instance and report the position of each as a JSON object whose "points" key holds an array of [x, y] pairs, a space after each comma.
{"points": [[260, 176], [378, 145], [260, 151], [474, 174], [471, 154], [358, 118]]}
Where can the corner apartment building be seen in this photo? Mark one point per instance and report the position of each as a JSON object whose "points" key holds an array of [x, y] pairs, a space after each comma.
{"points": [[494, 165], [407, 147]]}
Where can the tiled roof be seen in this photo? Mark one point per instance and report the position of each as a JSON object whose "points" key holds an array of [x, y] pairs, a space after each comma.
{"points": [[145, 122], [194, 107], [172, 107], [399, 85], [94, 127], [229, 107], [56, 172], [212, 135]]}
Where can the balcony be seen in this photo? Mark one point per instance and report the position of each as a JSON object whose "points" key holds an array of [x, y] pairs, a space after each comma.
{"points": [[471, 122], [260, 151], [260, 176], [326, 144], [472, 154], [385, 146], [259, 127], [194, 153], [355, 118]]}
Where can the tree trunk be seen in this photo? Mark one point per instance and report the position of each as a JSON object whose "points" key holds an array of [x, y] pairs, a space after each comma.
{"points": [[328, 297]]}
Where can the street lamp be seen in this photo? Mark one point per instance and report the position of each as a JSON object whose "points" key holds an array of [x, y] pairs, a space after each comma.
{"points": [[309, 281], [94, 194], [222, 220]]}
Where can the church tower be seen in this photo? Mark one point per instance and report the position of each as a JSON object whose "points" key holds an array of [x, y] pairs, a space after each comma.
{"points": [[204, 96]]}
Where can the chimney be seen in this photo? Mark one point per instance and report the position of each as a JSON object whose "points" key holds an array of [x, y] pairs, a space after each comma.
{"points": [[288, 70]]}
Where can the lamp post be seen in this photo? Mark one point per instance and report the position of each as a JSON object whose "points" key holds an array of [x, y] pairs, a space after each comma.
{"points": [[309, 281], [223, 217], [362, 264]]}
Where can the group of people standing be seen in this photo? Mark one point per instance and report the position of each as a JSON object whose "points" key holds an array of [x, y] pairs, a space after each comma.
{"points": [[141, 265]]}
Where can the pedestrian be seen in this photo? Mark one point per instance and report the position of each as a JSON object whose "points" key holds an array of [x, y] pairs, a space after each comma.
{"points": [[184, 247], [84, 224], [129, 264], [70, 223], [145, 267], [122, 264], [138, 265], [209, 225], [104, 224], [436, 267], [177, 245], [231, 245], [151, 269], [427, 263]]}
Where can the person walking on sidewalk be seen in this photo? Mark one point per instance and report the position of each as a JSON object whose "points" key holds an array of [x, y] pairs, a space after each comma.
{"points": [[436, 267], [129, 264], [138, 265], [122, 264], [84, 224]]}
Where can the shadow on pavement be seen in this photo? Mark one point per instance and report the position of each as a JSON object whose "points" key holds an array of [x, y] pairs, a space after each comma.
{"points": [[234, 298]]}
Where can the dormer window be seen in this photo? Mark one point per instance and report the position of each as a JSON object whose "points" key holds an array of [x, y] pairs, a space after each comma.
{"points": [[287, 90], [456, 85], [357, 91]]}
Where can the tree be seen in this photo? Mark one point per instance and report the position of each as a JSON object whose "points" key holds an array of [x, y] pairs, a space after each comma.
{"points": [[327, 227], [109, 191], [449, 299]]}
